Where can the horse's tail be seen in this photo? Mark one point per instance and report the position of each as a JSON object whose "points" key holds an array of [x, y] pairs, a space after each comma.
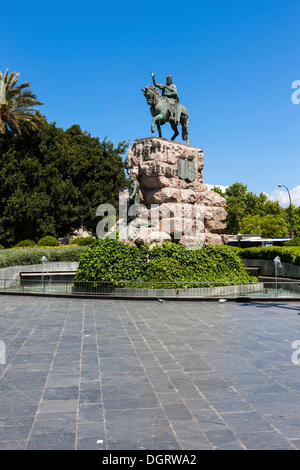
{"points": [[184, 126]]}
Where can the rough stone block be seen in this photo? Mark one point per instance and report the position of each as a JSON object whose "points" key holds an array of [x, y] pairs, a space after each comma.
{"points": [[170, 175], [161, 196]]}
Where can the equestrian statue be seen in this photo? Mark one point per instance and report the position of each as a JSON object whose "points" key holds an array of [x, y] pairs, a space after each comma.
{"points": [[165, 107]]}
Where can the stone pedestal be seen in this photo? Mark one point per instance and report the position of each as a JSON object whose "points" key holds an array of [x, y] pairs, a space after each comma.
{"points": [[172, 194]]}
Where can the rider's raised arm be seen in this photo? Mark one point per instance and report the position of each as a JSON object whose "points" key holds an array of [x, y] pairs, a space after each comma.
{"points": [[160, 85], [157, 85]]}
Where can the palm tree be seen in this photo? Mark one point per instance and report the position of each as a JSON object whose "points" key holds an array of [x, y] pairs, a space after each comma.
{"points": [[17, 112]]}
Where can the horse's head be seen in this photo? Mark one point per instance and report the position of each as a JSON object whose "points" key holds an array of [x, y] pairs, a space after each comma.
{"points": [[151, 94]]}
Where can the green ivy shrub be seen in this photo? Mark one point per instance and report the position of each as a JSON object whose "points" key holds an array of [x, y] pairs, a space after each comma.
{"points": [[166, 265], [2, 247], [82, 241], [25, 243], [204, 267], [48, 240], [113, 261], [167, 272]]}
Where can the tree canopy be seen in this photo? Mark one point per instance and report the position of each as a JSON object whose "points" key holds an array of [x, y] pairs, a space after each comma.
{"points": [[52, 181], [251, 213], [266, 226]]}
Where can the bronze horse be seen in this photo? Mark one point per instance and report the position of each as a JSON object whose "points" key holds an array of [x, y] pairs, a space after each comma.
{"points": [[161, 113]]}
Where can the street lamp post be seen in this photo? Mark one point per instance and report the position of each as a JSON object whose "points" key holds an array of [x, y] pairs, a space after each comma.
{"points": [[291, 214]]}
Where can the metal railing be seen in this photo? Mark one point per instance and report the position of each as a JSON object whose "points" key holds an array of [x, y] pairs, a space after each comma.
{"points": [[48, 286]]}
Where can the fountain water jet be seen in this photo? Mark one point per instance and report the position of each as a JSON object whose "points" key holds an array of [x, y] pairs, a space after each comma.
{"points": [[278, 268], [45, 270]]}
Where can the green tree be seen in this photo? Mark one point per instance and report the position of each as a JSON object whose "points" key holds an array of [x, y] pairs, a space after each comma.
{"points": [[52, 181], [17, 105], [241, 203], [236, 206], [268, 226], [251, 224], [296, 221], [218, 190]]}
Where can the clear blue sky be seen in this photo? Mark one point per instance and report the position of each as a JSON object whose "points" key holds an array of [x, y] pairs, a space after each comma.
{"points": [[233, 62]]}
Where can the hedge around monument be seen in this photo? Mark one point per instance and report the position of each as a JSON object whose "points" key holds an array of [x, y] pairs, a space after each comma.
{"points": [[287, 254], [24, 256], [294, 242], [169, 265]]}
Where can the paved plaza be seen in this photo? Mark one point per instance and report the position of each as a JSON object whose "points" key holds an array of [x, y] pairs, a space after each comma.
{"points": [[110, 374]]}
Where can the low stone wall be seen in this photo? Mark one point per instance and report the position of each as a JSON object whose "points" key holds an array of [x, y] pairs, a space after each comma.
{"points": [[267, 268], [12, 272], [193, 292]]}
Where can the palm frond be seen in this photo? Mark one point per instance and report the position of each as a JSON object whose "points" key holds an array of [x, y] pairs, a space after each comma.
{"points": [[17, 107]]}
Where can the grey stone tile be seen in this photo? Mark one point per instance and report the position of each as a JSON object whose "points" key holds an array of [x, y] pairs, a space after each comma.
{"points": [[21, 385], [296, 443], [56, 406], [225, 406], [89, 375], [66, 368], [288, 425], [16, 409], [210, 383], [186, 388], [209, 420], [234, 445], [161, 383], [273, 403], [220, 437], [264, 441], [168, 398], [46, 426], [197, 404], [13, 445], [32, 358], [131, 403], [91, 429], [192, 444], [246, 421], [126, 386], [250, 389], [52, 441], [61, 380], [90, 412], [61, 393], [158, 443], [137, 425], [90, 443], [26, 396], [189, 430], [36, 347], [14, 433], [124, 445], [177, 412], [61, 415]]}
